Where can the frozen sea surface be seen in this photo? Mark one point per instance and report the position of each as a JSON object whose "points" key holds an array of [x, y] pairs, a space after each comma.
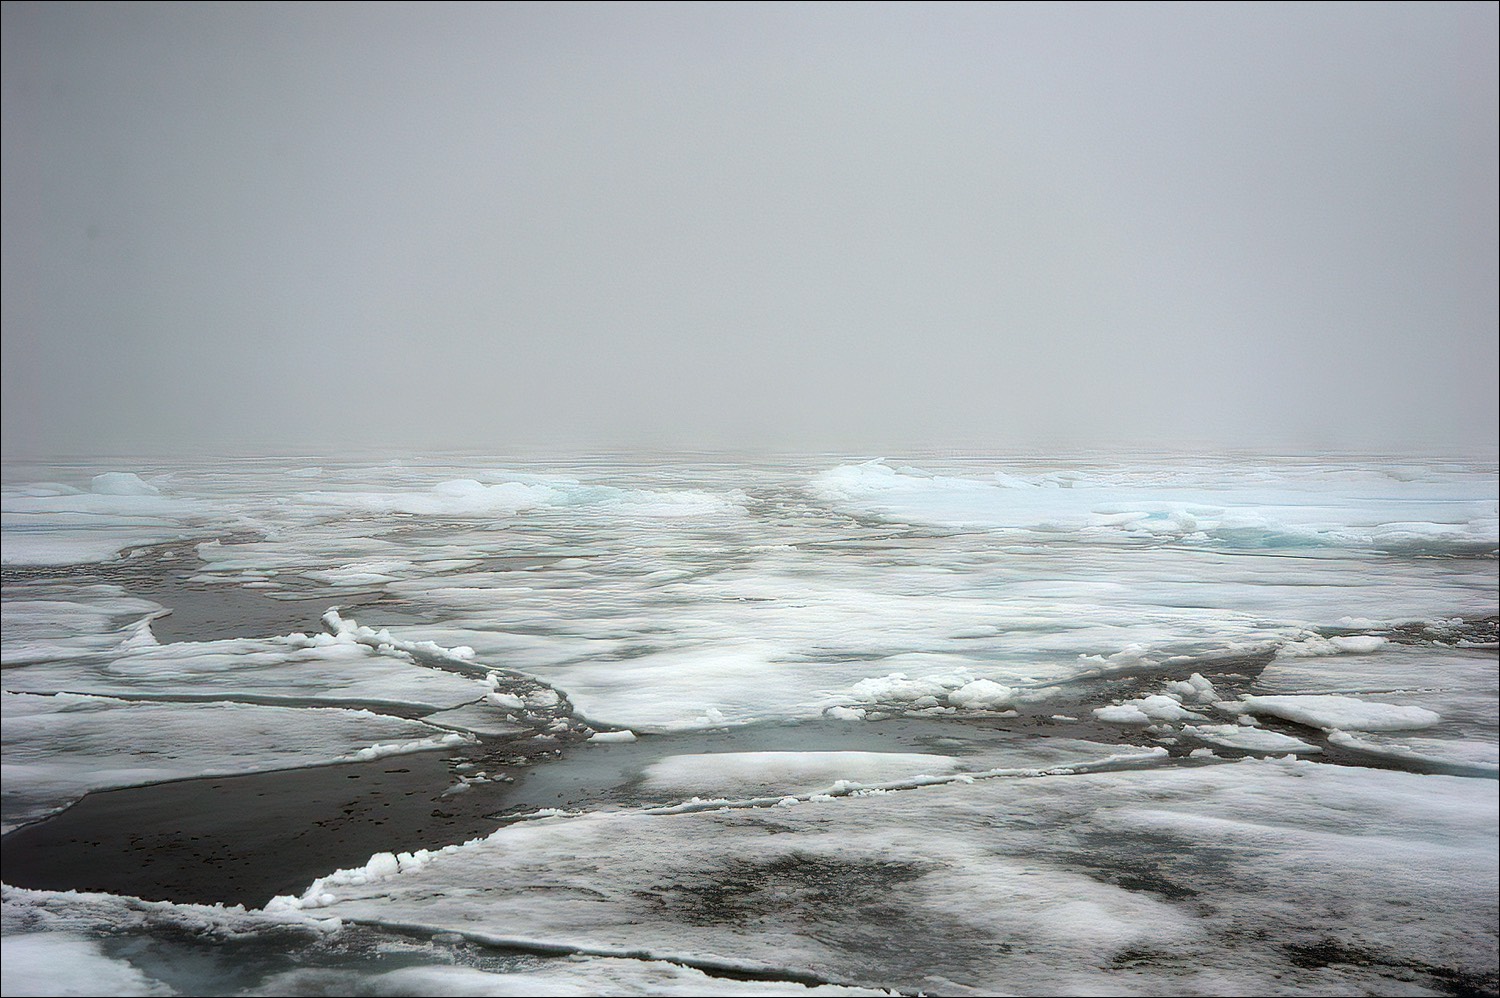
{"points": [[952, 726]]}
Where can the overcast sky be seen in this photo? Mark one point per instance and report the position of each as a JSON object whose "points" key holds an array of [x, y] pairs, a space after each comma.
{"points": [[268, 227]]}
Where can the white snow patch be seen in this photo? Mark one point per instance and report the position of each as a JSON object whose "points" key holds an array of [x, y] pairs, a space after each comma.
{"points": [[982, 694], [1121, 714]]}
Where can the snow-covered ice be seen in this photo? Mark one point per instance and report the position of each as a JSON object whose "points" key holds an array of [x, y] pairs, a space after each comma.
{"points": [[956, 725], [1329, 712]]}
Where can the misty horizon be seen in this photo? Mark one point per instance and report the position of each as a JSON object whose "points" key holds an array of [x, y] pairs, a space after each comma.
{"points": [[871, 229]]}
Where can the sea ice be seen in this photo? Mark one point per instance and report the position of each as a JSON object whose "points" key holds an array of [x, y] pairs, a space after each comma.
{"points": [[1328, 712], [1166, 881], [754, 774], [59, 943], [57, 748], [68, 963], [1289, 512], [101, 618], [584, 977], [298, 667], [56, 527], [1474, 757], [662, 598], [601, 737], [1250, 739]]}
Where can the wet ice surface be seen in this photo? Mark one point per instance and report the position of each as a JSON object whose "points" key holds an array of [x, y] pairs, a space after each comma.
{"points": [[942, 726]]}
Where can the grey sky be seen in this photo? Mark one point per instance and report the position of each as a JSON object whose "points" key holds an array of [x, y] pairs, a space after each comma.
{"points": [[264, 227]]}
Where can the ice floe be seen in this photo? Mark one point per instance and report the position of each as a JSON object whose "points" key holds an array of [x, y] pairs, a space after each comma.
{"points": [[1239, 736], [57, 748], [750, 774], [298, 667], [1328, 712], [1207, 504]]}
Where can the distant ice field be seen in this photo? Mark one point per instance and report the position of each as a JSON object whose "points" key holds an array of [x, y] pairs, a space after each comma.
{"points": [[690, 595]]}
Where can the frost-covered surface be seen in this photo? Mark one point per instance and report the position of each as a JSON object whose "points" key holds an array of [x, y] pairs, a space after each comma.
{"points": [[57, 748]]}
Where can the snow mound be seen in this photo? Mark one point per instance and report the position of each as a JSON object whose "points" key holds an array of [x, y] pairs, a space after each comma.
{"points": [[122, 483], [1147, 710], [935, 694]]}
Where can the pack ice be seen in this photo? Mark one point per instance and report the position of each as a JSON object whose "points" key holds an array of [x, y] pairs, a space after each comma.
{"points": [[934, 724]]}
